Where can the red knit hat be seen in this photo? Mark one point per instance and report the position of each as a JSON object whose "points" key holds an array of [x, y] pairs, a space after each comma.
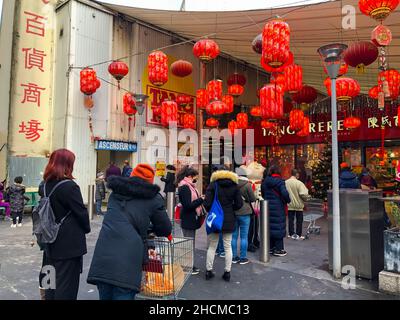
{"points": [[344, 165], [143, 171]]}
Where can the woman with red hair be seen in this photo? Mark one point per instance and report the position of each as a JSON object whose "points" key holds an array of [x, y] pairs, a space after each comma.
{"points": [[66, 252]]}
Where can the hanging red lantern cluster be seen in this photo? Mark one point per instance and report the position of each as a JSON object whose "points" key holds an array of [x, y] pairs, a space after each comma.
{"points": [[216, 107], [235, 90], [389, 82], [294, 78], [129, 104], [279, 69], [228, 100], [212, 122], [118, 70], [266, 124], [169, 112], [275, 43], [189, 121], [346, 88], [271, 102], [236, 78], [351, 122], [181, 68], [344, 67], [201, 98], [361, 54], [296, 120], [255, 111], [306, 128], [206, 50], [214, 89], [377, 9], [183, 99], [88, 81], [242, 120], [306, 95], [158, 68], [256, 44], [381, 36], [278, 79], [373, 92]]}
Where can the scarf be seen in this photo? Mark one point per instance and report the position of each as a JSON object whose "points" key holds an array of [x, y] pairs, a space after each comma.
{"points": [[195, 195]]}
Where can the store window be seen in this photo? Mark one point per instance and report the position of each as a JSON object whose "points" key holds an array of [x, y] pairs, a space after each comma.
{"points": [[307, 157], [352, 156], [383, 169], [282, 156], [260, 154]]}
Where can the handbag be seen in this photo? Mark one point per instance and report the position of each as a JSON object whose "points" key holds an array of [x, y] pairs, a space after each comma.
{"points": [[177, 212], [215, 217]]}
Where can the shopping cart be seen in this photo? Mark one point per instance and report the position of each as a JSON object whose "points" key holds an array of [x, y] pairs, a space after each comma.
{"points": [[170, 266], [311, 218]]}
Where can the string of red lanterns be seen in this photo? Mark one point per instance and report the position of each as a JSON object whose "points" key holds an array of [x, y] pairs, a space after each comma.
{"points": [[206, 50], [158, 68], [271, 102]]}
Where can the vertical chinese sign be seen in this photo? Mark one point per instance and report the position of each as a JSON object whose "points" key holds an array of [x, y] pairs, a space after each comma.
{"points": [[32, 76]]}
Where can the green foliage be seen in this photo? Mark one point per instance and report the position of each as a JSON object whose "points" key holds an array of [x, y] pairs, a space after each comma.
{"points": [[322, 174]]}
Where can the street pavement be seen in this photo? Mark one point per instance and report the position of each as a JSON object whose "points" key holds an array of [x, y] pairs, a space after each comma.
{"points": [[302, 274]]}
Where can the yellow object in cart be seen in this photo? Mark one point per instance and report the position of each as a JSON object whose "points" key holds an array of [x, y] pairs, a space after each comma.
{"points": [[163, 284]]}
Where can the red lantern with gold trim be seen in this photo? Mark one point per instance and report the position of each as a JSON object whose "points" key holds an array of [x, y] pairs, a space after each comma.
{"points": [[235, 90], [216, 107], [271, 102], [373, 92], [242, 120], [214, 89], [206, 50], [158, 68], [294, 78], [346, 88], [306, 128], [232, 126], [189, 121], [352, 122], [228, 100], [306, 95], [389, 82], [296, 120], [280, 69], [255, 111], [118, 70], [266, 124], [212, 122], [275, 43], [181, 68], [278, 79], [377, 9], [169, 112], [88, 81], [201, 98], [183, 99], [361, 54]]}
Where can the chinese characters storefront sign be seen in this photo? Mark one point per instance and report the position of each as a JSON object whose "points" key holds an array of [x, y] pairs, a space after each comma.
{"points": [[32, 85]]}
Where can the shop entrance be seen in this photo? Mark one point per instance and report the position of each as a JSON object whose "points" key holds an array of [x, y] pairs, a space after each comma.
{"points": [[104, 157]]}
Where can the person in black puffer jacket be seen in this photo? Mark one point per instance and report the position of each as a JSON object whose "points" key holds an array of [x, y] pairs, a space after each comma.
{"points": [[347, 179], [169, 179], [273, 189], [134, 204], [230, 199]]}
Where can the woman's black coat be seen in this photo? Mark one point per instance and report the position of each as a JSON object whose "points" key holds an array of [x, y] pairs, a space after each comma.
{"points": [[118, 256], [169, 181], [188, 211], [228, 195]]}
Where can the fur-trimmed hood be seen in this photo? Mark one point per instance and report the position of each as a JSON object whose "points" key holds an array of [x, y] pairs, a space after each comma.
{"points": [[132, 187], [225, 175]]}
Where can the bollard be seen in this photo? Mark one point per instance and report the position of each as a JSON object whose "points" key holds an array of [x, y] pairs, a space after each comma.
{"points": [[91, 199], [170, 205], [264, 232]]}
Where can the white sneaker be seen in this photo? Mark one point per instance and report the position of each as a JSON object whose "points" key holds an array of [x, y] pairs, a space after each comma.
{"points": [[13, 225], [19, 224], [301, 238], [295, 237]]}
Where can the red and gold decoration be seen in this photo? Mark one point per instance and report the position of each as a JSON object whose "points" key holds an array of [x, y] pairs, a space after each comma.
{"points": [[189, 121], [306, 128], [206, 50], [294, 78], [158, 68], [236, 78], [169, 112], [275, 43], [305, 96], [228, 100], [214, 89], [351, 122], [181, 68], [212, 122], [377, 9], [266, 124], [201, 98], [342, 70], [255, 111], [216, 107], [389, 83], [129, 109], [242, 120], [361, 54], [156, 111], [256, 44], [89, 82], [271, 102], [232, 126], [296, 120], [278, 79], [373, 92], [381, 36], [118, 70], [346, 88], [235, 90], [183, 99]]}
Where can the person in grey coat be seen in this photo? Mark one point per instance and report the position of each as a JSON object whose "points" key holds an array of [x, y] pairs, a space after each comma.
{"points": [[100, 192]]}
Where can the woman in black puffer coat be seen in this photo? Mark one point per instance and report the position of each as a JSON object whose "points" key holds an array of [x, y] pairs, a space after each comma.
{"points": [[273, 189]]}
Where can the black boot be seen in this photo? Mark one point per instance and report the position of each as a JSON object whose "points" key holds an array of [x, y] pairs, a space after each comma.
{"points": [[226, 276], [209, 275]]}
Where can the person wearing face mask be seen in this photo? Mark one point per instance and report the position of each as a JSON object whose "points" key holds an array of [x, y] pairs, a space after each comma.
{"points": [[192, 209]]}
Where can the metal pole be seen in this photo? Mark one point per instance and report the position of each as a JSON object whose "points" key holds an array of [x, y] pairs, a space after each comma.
{"points": [[139, 141], [337, 264], [170, 205], [91, 201], [264, 230]]}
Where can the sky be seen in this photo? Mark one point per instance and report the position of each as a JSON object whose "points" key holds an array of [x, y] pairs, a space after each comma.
{"points": [[210, 5]]}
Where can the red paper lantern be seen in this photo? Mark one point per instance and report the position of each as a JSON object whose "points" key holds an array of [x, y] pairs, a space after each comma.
{"points": [[169, 112], [88, 81], [279, 80], [214, 89], [236, 78], [129, 104], [271, 102], [294, 78], [266, 124], [183, 99], [201, 98], [228, 100], [373, 92], [189, 121], [377, 9], [342, 70], [275, 43], [235, 90], [307, 94], [306, 128], [389, 82], [361, 54], [381, 36], [296, 120], [280, 69], [256, 44], [181, 68], [346, 88], [206, 50], [212, 122], [216, 107], [232, 126], [118, 70], [242, 120], [351, 122], [158, 68], [255, 111]]}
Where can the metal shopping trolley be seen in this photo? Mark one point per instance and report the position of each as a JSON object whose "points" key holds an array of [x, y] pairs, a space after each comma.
{"points": [[311, 218], [170, 266]]}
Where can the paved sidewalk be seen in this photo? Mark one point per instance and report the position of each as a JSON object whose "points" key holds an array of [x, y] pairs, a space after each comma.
{"points": [[302, 274]]}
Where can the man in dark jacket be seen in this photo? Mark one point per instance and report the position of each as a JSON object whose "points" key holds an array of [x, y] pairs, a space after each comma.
{"points": [[230, 199], [16, 197], [126, 170], [169, 179], [117, 262], [347, 179], [273, 190], [112, 170]]}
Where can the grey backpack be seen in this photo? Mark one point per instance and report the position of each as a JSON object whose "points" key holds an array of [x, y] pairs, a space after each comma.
{"points": [[45, 227]]}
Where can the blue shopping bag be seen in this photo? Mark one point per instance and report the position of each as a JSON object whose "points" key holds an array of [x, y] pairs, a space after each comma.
{"points": [[215, 217]]}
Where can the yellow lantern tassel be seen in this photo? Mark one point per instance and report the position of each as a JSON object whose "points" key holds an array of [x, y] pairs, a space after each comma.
{"points": [[360, 69]]}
